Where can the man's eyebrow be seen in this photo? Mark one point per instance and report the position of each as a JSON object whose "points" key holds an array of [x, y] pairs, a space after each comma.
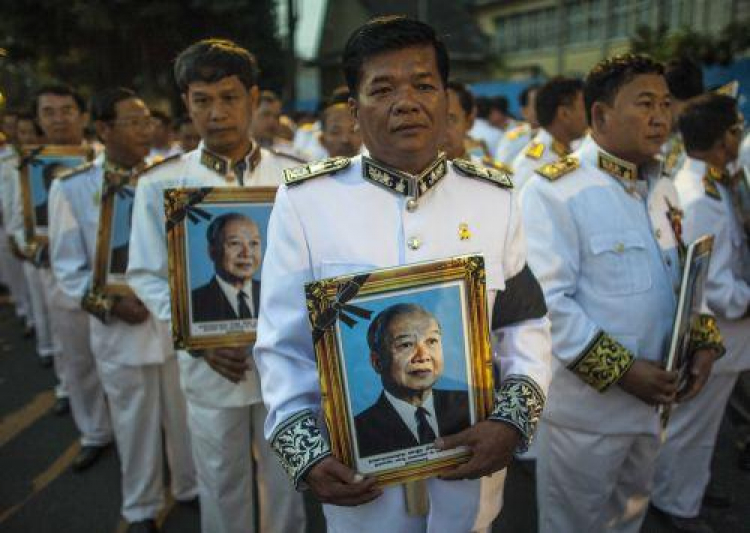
{"points": [[383, 78]]}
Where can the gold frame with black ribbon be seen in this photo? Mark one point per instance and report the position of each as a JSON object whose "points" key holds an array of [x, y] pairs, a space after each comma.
{"points": [[193, 205], [348, 312]]}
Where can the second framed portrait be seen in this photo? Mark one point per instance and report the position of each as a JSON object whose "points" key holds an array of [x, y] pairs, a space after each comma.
{"points": [[113, 237], [40, 165], [404, 358], [216, 237]]}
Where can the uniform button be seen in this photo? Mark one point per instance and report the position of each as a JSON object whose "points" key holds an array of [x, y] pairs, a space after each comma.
{"points": [[411, 205], [619, 247], [658, 234], [414, 243]]}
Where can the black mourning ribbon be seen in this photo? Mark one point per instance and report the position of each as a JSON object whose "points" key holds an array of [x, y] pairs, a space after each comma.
{"points": [[194, 214], [30, 159], [339, 307]]}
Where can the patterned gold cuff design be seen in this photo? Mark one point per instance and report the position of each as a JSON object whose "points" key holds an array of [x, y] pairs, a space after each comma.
{"points": [[519, 402], [299, 445], [97, 305], [705, 334], [603, 362]]}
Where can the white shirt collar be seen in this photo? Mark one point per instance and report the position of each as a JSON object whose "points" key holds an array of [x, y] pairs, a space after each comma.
{"points": [[230, 291], [408, 412]]}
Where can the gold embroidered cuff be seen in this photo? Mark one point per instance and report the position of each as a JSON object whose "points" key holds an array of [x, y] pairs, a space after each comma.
{"points": [[705, 334], [299, 445], [603, 362], [519, 402]]}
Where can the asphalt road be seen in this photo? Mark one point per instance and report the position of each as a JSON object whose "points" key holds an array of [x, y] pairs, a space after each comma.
{"points": [[40, 494]]}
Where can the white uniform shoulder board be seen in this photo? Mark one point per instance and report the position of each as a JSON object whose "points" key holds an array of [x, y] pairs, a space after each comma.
{"points": [[556, 170], [535, 150], [160, 163], [495, 176], [296, 175], [80, 169]]}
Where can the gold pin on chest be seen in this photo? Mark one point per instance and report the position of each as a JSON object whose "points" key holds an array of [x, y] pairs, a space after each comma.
{"points": [[464, 233]]}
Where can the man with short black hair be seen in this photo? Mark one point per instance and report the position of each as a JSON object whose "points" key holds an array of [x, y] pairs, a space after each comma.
{"points": [[265, 126], [339, 131], [162, 146], [711, 129], [513, 140], [603, 234], [401, 203], [137, 368], [219, 84], [562, 120], [685, 80]]}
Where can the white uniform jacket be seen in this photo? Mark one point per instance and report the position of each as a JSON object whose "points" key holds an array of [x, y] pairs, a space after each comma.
{"points": [[540, 150], [12, 201], [512, 142], [343, 223], [147, 265], [604, 245], [709, 209], [75, 201]]}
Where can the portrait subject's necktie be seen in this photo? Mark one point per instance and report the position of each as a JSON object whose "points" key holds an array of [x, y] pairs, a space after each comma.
{"points": [[424, 429], [244, 310]]}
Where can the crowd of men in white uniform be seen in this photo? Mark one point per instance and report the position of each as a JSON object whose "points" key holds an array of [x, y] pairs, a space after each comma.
{"points": [[611, 177]]}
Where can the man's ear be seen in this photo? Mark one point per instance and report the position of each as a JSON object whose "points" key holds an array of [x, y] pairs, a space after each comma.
{"points": [[254, 93], [599, 116], [376, 363]]}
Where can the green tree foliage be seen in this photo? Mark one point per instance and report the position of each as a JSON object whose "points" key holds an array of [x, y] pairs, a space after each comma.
{"points": [[125, 42], [733, 41]]}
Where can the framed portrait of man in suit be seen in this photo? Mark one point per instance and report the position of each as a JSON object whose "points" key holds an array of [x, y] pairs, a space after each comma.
{"points": [[404, 357], [39, 166], [216, 237], [113, 237]]}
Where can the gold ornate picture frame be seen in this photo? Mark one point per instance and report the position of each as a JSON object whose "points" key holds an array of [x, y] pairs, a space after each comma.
{"points": [[215, 238], [113, 236], [39, 166], [417, 334]]}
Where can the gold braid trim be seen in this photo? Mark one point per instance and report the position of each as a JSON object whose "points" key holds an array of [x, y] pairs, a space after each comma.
{"points": [[603, 362], [519, 402], [705, 334]]}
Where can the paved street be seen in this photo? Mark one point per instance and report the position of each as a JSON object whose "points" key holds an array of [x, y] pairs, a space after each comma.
{"points": [[39, 493]]}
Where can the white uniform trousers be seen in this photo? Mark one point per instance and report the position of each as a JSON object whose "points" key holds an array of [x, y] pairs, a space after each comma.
{"points": [[143, 401], [683, 468], [593, 482], [222, 440], [87, 402], [45, 342], [14, 278], [455, 507]]}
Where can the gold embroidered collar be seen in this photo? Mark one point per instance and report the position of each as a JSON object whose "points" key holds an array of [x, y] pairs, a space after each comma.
{"points": [[716, 174], [115, 174], [616, 167], [223, 165], [403, 182], [559, 148]]}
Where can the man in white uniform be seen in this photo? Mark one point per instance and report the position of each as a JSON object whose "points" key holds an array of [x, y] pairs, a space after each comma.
{"points": [[562, 120], [400, 204], [218, 80], [136, 363], [603, 235], [711, 128]]}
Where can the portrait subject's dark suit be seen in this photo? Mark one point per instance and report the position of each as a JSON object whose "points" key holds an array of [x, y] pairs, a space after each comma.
{"points": [[118, 261], [41, 214], [380, 429], [211, 304]]}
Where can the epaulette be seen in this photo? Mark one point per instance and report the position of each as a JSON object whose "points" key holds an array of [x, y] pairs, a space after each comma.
{"points": [[293, 157], [497, 165], [495, 176], [712, 191], [556, 170], [516, 132], [296, 175], [535, 150], [75, 171], [157, 164]]}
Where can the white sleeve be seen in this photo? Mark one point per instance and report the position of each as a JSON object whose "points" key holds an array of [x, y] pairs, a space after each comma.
{"points": [[147, 272], [283, 351], [68, 259]]}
